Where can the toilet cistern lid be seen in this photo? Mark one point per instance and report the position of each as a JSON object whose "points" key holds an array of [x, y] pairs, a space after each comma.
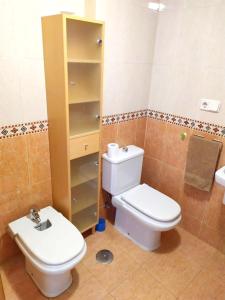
{"points": [[152, 203], [56, 245]]}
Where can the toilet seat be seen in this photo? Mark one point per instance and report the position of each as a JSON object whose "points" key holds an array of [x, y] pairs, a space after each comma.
{"points": [[57, 245], [152, 203], [124, 201]]}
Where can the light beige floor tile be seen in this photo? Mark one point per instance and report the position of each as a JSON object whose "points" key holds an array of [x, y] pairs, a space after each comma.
{"points": [[183, 266], [175, 271], [17, 283], [109, 297], [24, 290], [206, 286], [110, 275], [80, 274], [90, 290], [217, 266], [141, 286], [105, 240], [179, 239], [195, 249], [117, 238]]}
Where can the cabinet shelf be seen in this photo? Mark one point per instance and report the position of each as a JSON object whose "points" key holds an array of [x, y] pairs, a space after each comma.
{"points": [[84, 134], [86, 131], [84, 195], [83, 61], [86, 218], [78, 101], [84, 169]]}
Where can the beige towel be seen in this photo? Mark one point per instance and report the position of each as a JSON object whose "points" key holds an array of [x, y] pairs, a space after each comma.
{"points": [[201, 162]]}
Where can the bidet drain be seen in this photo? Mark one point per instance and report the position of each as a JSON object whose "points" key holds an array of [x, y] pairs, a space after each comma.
{"points": [[104, 256]]}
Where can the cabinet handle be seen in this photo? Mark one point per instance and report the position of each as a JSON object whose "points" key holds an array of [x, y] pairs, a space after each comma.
{"points": [[99, 42], [85, 146]]}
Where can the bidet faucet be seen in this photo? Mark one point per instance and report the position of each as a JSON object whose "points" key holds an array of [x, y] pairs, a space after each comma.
{"points": [[34, 215]]}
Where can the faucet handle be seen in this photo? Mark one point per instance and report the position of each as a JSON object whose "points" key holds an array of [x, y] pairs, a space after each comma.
{"points": [[34, 209]]}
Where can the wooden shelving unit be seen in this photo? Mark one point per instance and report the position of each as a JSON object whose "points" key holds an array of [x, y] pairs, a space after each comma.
{"points": [[73, 55]]}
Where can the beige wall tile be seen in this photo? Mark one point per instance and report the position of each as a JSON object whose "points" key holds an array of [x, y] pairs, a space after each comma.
{"points": [[24, 182], [127, 133], [171, 182], [189, 59], [176, 149], [14, 174], [140, 132], [155, 138], [151, 171], [108, 135], [194, 202], [39, 157]]}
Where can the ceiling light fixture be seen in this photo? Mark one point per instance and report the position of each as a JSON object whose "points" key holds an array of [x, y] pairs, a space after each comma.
{"points": [[156, 6]]}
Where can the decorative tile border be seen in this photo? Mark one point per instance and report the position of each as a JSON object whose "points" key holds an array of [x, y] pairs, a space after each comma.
{"points": [[165, 117], [21, 129], [186, 122], [40, 126], [118, 118]]}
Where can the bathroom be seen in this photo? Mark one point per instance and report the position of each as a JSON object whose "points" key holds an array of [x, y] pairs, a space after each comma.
{"points": [[161, 87]]}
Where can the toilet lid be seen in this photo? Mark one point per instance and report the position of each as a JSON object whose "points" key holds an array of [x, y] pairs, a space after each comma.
{"points": [[56, 245], [152, 203]]}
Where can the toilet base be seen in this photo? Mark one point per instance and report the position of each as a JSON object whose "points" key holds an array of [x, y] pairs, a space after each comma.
{"points": [[50, 285], [137, 231]]}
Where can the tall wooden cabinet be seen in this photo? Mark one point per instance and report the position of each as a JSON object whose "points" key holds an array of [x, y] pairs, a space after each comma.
{"points": [[73, 56]]}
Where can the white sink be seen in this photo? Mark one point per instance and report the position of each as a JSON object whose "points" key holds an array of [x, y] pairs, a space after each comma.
{"points": [[220, 176], [220, 179]]}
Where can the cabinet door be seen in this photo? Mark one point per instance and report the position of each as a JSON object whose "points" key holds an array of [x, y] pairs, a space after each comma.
{"points": [[84, 191], [84, 118]]}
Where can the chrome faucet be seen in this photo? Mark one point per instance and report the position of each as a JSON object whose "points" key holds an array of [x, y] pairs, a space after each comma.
{"points": [[34, 215]]}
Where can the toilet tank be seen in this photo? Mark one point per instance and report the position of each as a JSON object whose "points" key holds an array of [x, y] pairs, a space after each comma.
{"points": [[122, 172]]}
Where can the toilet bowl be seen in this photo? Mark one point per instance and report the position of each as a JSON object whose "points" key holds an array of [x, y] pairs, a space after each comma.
{"points": [[51, 249], [142, 212]]}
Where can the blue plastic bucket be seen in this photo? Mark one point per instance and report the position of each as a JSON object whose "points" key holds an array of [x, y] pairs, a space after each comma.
{"points": [[101, 225]]}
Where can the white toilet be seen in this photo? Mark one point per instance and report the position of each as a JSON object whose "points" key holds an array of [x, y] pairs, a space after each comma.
{"points": [[52, 248], [142, 212]]}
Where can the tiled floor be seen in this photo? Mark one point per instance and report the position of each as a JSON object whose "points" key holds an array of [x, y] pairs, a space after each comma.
{"points": [[183, 268]]}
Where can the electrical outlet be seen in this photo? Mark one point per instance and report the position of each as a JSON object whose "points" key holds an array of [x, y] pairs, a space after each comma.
{"points": [[210, 105]]}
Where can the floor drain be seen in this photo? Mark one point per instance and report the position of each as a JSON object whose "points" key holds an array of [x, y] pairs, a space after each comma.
{"points": [[104, 256]]}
